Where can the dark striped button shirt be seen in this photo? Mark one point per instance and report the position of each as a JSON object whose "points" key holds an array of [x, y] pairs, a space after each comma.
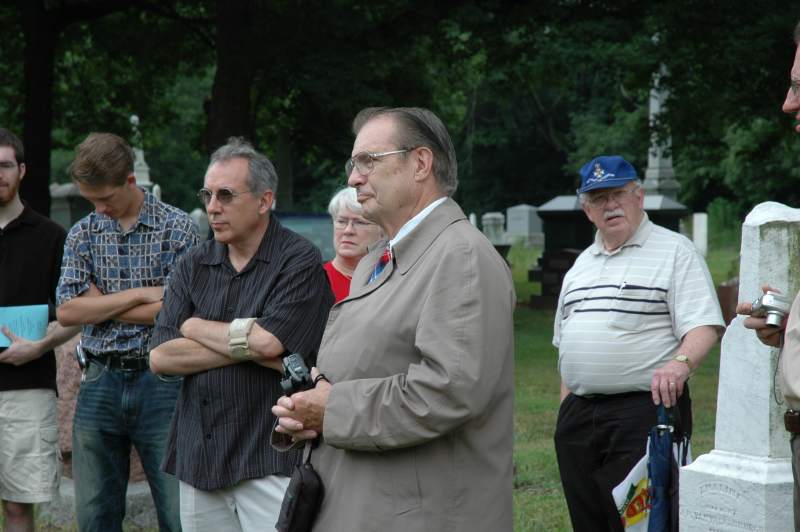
{"points": [[221, 430]]}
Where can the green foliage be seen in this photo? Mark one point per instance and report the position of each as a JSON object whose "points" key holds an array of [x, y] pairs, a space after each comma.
{"points": [[12, 100], [529, 91], [177, 162]]}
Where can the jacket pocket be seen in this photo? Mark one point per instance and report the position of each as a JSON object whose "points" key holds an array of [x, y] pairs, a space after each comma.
{"points": [[403, 480]]}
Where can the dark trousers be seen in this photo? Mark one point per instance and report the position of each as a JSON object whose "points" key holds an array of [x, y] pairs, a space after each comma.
{"points": [[598, 440]]}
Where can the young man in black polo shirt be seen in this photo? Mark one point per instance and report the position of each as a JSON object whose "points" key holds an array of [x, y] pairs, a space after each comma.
{"points": [[30, 261]]}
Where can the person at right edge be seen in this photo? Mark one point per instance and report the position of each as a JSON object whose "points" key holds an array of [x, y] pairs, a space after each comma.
{"points": [[774, 336]]}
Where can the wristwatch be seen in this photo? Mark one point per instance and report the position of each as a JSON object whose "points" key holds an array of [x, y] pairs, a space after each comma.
{"points": [[238, 346], [685, 360]]}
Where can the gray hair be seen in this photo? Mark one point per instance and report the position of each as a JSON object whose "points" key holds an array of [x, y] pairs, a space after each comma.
{"points": [[262, 176], [420, 127], [344, 198], [584, 196]]}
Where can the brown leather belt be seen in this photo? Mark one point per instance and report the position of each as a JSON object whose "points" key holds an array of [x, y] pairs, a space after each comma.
{"points": [[791, 420]]}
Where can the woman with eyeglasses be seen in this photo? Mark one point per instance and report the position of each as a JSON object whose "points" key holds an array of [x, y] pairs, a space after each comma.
{"points": [[352, 233]]}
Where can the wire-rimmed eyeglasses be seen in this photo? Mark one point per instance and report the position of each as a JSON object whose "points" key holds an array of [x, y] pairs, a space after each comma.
{"points": [[364, 161]]}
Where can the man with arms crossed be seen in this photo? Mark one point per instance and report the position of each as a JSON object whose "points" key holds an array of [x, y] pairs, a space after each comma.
{"points": [[417, 427], [233, 307], [30, 260], [636, 316], [116, 263]]}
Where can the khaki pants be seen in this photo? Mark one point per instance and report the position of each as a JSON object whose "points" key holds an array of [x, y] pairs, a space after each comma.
{"points": [[250, 506], [795, 442], [30, 460]]}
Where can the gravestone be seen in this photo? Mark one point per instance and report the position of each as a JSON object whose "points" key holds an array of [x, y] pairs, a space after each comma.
{"points": [[200, 217], [745, 482], [700, 232], [524, 225], [659, 177], [493, 224], [67, 205]]}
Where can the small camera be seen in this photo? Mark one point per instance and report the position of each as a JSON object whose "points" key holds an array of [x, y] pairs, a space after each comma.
{"points": [[296, 376], [772, 306]]}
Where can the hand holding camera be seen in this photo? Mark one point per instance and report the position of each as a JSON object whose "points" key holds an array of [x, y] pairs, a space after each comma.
{"points": [[771, 333], [296, 376], [773, 306], [301, 416]]}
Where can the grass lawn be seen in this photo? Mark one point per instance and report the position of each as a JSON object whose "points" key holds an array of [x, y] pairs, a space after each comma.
{"points": [[538, 498]]}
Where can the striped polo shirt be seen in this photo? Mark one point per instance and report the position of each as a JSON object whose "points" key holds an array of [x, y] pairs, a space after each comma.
{"points": [[622, 314]]}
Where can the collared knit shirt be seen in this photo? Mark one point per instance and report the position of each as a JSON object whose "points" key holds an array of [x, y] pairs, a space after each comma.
{"points": [[30, 259], [622, 314], [98, 250], [221, 429]]}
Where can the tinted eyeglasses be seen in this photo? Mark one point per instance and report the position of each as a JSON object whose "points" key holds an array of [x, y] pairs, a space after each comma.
{"points": [[224, 195], [364, 161]]}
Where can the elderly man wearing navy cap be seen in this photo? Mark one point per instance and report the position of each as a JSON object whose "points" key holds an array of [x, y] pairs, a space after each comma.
{"points": [[636, 316]]}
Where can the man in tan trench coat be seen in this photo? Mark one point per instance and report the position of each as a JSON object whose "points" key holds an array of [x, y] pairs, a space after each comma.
{"points": [[416, 422]]}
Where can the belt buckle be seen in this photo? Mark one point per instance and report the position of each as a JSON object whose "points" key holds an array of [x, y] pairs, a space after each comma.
{"points": [[129, 363]]}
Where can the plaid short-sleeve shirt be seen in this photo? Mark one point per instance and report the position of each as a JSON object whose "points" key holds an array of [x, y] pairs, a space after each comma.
{"points": [[99, 251]]}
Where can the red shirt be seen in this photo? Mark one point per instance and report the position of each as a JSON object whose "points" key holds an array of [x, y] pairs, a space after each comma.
{"points": [[340, 283]]}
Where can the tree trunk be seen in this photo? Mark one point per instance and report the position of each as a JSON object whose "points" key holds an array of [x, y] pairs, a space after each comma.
{"points": [[40, 42], [229, 112]]}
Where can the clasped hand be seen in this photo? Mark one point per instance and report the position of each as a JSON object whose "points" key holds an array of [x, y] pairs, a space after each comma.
{"points": [[301, 415]]}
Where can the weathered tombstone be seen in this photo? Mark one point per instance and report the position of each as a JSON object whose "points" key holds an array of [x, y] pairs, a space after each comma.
{"points": [[524, 225], [67, 205], [493, 224], [659, 178], [201, 219], [745, 482], [700, 232]]}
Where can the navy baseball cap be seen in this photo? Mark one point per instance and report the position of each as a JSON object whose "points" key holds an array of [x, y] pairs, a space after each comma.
{"points": [[606, 171]]}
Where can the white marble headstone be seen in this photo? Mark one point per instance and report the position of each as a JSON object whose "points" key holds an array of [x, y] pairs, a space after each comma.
{"points": [[745, 482]]}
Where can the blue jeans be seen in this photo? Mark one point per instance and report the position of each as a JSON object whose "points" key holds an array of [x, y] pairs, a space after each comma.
{"points": [[115, 409]]}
